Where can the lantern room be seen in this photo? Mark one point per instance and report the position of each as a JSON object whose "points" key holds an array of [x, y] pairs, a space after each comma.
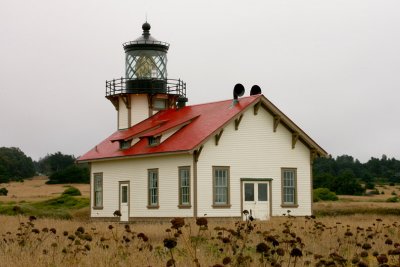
{"points": [[146, 88]]}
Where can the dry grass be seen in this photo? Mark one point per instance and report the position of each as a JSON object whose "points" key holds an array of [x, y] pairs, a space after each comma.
{"points": [[335, 241], [36, 189]]}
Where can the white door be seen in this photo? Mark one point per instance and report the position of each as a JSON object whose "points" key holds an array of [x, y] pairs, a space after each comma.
{"points": [[124, 202], [255, 199]]}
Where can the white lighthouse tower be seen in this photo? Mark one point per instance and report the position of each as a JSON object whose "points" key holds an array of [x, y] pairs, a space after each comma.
{"points": [[145, 89]]}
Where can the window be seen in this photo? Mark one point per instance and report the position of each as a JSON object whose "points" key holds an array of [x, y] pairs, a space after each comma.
{"points": [[159, 104], [153, 188], [184, 186], [153, 141], [289, 190], [221, 186], [125, 144], [98, 190]]}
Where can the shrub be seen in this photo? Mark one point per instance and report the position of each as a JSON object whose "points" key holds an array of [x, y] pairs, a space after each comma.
{"points": [[324, 194], [392, 199], [3, 191], [392, 184], [72, 191]]}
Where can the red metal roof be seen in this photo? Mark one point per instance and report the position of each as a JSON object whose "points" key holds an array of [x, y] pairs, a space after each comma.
{"points": [[196, 122]]}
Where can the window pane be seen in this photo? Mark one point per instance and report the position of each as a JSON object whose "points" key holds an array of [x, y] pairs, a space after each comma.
{"points": [[248, 192], [98, 190], [153, 187], [184, 177], [124, 194], [262, 192]]}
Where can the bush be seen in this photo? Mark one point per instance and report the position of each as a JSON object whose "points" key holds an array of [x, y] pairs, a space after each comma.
{"points": [[392, 199], [3, 191], [72, 174], [324, 194], [72, 191]]}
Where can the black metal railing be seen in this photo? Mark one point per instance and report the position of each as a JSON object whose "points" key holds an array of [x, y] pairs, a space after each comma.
{"points": [[145, 86], [140, 42]]}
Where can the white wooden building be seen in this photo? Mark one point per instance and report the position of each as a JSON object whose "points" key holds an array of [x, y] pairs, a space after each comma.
{"points": [[168, 159]]}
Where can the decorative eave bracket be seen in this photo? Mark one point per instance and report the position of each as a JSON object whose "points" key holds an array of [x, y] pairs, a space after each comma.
{"points": [[237, 122], [313, 155], [218, 136], [127, 101], [277, 120], [257, 107], [197, 153], [114, 101], [295, 138]]}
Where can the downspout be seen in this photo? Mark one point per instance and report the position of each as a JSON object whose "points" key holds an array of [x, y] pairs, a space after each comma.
{"points": [[196, 155]]}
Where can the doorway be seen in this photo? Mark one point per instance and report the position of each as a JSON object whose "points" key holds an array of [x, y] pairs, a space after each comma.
{"points": [[256, 199], [124, 201]]}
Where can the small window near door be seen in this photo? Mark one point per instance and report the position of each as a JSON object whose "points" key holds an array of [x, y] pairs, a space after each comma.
{"points": [[124, 194], [249, 192], [160, 104], [262, 192]]}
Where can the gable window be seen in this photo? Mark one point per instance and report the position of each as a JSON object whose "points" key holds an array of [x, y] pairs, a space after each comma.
{"points": [[184, 187], [289, 187], [221, 187], [153, 141], [153, 188], [125, 144], [98, 190]]}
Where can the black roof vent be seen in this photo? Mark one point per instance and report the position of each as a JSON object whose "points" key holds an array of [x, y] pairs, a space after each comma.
{"points": [[255, 90], [238, 91]]}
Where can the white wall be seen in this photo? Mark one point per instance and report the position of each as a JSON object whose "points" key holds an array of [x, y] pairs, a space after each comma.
{"points": [[139, 108], [135, 171], [122, 115], [254, 151]]}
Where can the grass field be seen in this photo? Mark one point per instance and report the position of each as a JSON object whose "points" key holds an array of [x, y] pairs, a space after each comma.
{"points": [[355, 231]]}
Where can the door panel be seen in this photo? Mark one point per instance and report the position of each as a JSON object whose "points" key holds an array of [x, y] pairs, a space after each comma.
{"points": [[124, 202], [255, 199]]}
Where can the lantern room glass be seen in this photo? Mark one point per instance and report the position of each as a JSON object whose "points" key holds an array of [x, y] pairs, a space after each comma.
{"points": [[146, 64]]}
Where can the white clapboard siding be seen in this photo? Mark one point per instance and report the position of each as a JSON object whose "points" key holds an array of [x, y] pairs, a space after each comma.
{"points": [[135, 171], [122, 115], [139, 108], [254, 151]]}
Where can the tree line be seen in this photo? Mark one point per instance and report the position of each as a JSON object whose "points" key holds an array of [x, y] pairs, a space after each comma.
{"points": [[345, 175], [60, 168]]}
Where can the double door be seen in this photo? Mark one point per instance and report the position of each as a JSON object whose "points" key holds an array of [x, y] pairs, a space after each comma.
{"points": [[256, 199]]}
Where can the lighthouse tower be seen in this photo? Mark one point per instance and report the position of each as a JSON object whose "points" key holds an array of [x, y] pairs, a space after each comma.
{"points": [[146, 88]]}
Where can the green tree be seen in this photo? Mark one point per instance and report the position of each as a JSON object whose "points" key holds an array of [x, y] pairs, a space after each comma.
{"points": [[72, 174], [53, 163], [14, 164]]}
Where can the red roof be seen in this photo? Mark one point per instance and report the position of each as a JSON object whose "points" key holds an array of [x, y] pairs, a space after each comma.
{"points": [[194, 124]]}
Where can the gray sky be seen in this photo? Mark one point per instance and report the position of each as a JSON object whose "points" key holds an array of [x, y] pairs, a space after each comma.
{"points": [[331, 66]]}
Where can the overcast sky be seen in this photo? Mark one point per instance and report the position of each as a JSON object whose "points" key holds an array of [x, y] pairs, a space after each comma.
{"points": [[333, 67]]}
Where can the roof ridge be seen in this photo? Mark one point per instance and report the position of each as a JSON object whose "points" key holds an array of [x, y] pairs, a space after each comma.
{"points": [[219, 101]]}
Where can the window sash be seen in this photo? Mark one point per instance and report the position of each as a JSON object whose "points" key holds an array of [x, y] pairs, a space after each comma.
{"points": [[98, 190], [221, 186], [289, 187], [184, 186], [153, 187]]}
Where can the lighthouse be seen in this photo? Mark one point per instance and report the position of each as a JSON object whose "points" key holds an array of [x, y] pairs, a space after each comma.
{"points": [[146, 88]]}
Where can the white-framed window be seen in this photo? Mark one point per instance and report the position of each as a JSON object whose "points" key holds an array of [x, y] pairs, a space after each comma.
{"points": [[221, 186], [153, 188], [289, 186], [184, 186], [98, 190]]}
